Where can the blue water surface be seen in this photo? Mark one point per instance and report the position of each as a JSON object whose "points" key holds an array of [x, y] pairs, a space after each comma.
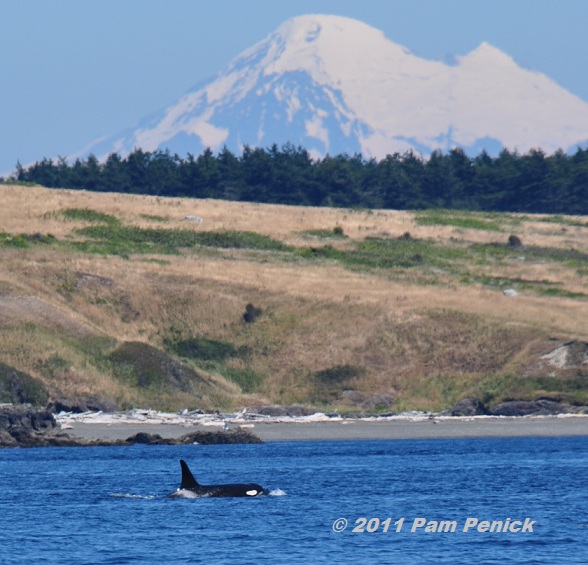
{"points": [[107, 504]]}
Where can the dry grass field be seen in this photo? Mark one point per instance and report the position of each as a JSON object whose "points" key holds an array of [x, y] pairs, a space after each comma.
{"points": [[127, 297]]}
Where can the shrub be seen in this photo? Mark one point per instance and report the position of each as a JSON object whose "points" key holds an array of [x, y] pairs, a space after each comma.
{"points": [[251, 313], [20, 388], [205, 349], [147, 367], [338, 374]]}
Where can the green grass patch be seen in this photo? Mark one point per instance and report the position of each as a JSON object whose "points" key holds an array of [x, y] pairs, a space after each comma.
{"points": [[571, 257], [90, 216], [465, 220], [146, 367], [500, 283], [53, 365], [334, 233], [11, 182], [9, 240], [246, 379], [441, 391], [493, 389], [543, 287], [154, 218], [562, 293], [379, 253], [238, 240], [561, 220], [126, 240], [212, 355], [25, 240]]}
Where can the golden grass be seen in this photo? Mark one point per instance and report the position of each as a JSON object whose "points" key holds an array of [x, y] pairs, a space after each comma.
{"points": [[425, 344]]}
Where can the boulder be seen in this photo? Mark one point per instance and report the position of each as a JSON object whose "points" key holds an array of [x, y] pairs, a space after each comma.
{"points": [[143, 437]]}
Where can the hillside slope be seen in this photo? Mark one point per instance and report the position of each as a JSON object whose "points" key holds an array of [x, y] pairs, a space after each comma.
{"points": [[182, 303]]}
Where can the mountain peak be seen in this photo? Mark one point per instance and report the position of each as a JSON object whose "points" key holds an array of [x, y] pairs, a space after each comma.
{"points": [[336, 85], [332, 49], [486, 54], [309, 27]]}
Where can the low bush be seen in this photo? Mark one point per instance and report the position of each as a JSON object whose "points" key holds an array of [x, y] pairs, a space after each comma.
{"points": [[19, 388]]}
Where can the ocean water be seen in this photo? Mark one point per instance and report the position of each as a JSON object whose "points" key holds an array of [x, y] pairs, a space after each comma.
{"points": [[404, 498]]}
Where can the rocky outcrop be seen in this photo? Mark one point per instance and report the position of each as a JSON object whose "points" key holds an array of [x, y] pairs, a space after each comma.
{"points": [[89, 404], [568, 355], [24, 426], [202, 438], [541, 407]]}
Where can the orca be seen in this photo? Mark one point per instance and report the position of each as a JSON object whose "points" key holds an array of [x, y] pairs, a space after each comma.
{"points": [[190, 488]]}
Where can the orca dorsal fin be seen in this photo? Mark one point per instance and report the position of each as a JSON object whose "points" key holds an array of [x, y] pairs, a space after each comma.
{"points": [[188, 480]]}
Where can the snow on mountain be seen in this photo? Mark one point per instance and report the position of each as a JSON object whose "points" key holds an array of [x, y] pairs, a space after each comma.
{"points": [[335, 85]]}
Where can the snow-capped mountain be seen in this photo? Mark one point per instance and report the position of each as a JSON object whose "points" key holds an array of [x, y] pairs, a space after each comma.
{"points": [[336, 85]]}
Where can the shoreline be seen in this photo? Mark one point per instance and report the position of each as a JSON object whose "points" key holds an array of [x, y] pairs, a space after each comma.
{"points": [[322, 428]]}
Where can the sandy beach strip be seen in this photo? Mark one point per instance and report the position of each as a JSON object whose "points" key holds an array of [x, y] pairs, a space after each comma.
{"points": [[354, 429]]}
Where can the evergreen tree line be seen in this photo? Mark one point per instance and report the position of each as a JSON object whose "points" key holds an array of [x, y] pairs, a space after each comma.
{"points": [[510, 182]]}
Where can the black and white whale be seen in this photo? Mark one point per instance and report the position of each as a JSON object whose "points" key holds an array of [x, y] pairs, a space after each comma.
{"points": [[189, 488]]}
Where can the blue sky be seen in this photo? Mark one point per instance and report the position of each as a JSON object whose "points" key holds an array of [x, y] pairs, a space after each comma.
{"points": [[75, 70]]}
